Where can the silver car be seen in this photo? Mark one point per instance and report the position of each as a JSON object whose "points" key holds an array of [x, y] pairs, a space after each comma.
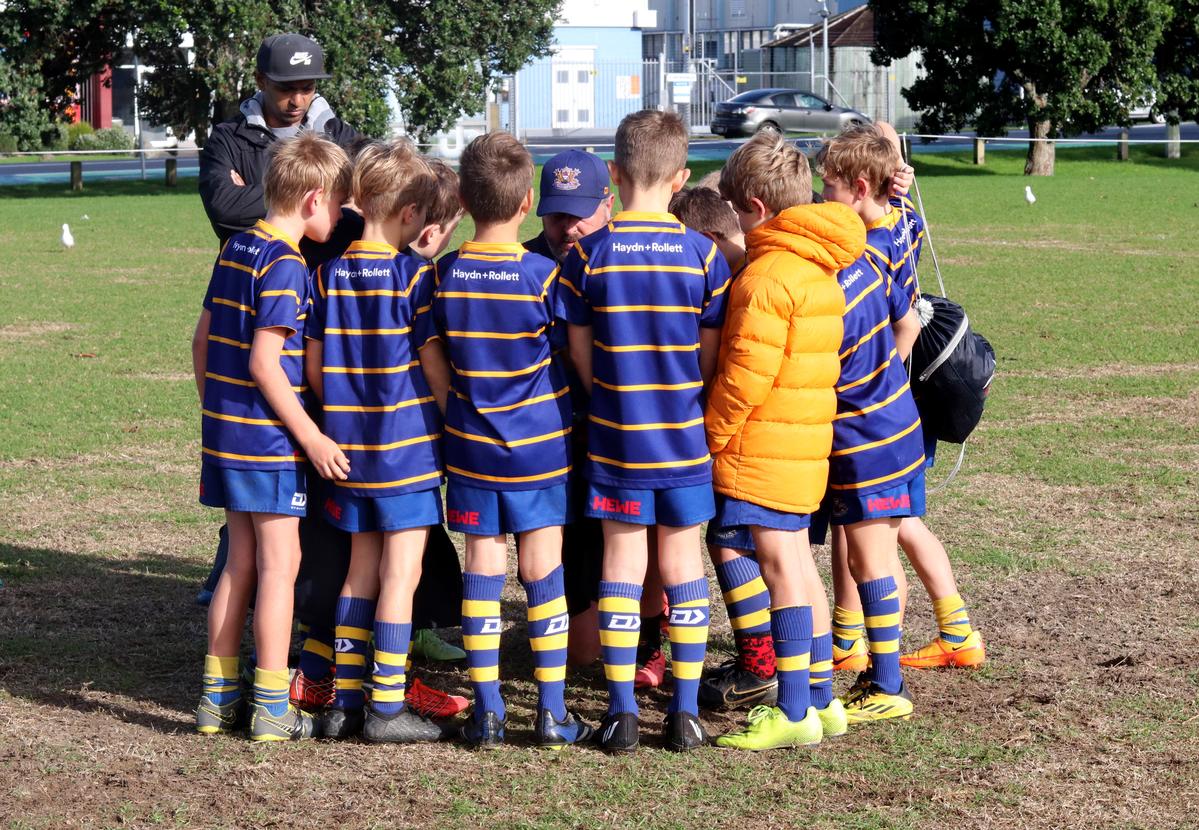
{"points": [[783, 110]]}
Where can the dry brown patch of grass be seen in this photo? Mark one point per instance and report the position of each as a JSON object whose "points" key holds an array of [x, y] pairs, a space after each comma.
{"points": [[23, 331]]}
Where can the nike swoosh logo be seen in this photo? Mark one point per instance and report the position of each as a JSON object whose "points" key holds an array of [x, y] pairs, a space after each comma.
{"points": [[301, 57]]}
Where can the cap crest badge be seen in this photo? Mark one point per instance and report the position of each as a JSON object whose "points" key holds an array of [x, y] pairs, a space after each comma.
{"points": [[567, 178]]}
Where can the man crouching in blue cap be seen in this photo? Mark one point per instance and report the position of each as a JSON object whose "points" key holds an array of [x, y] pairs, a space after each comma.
{"points": [[576, 199]]}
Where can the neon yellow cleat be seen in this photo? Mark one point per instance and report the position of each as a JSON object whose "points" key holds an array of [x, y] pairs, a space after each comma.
{"points": [[943, 654], [769, 728], [833, 719], [866, 702]]}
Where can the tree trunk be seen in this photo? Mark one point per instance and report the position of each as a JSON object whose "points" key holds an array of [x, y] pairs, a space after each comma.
{"points": [[1040, 153]]}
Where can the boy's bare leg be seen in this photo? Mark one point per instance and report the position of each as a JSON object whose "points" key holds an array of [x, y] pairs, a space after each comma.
{"points": [[956, 643], [231, 599], [625, 553], [482, 585], [278, 558], [540, 553], [928, 557]]}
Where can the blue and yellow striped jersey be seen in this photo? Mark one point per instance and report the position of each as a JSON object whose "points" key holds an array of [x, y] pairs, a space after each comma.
{"points": [[259, 281], [647, 285], [370, 310], [508, 415], [893, 243], [877, 443]]}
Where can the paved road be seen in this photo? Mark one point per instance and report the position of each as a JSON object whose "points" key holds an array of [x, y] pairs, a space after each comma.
{"points": [[542, 148]]}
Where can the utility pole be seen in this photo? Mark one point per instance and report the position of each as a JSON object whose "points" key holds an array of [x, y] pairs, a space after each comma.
{"points": [[688, 37], [824, 37]]}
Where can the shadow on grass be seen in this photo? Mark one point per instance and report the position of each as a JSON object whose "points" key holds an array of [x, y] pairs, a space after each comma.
{"points": [[76, 624], [124, 637], [136, 187]]}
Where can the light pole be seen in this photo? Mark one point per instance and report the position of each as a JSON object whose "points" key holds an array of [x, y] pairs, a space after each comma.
{"points": [[824, 40]]}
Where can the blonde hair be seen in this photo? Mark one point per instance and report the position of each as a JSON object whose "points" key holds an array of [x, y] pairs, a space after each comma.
{"points": [[702, 209], [307, 162], [495, 174], [444, 206], [388, 177], [770, 169], [651, 146], [860, 152]]}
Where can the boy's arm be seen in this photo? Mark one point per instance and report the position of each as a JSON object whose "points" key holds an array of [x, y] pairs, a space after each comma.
{"points": [[272, 381], [314, 363], [709, 351], [200, 351], [436, 369], [759, 317], [579, 338], [906, 329]]}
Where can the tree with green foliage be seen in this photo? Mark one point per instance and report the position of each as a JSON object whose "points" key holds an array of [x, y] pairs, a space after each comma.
{"points": [[439, 56], [1176, 92], [1060, 66]]}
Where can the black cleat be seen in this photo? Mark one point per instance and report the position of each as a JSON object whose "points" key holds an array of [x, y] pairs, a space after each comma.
{"points": [[404, 727], [732, 687], [340, 723], [551, 733], [486, 732], [618, 732], [683, 732]]}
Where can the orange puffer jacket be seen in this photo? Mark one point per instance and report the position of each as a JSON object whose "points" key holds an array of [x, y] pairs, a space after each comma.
{"points": [[770, 408]]}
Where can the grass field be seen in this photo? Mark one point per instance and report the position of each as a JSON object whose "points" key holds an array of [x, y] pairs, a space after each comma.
{"points": [[1073, 522]]}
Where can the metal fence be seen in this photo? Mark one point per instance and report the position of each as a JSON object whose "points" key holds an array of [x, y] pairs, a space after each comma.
{"points": [[573, 93]]}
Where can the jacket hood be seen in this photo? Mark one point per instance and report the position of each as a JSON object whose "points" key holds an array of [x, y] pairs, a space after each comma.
{"points": [[829, 234], [318, 116]]}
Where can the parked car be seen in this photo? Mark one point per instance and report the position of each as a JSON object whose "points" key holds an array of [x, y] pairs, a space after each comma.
{"points": [[1142, 110], [783, 110]]}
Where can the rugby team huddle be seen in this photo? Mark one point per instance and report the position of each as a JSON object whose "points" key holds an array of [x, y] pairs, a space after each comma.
{"points": [[729, 355]]}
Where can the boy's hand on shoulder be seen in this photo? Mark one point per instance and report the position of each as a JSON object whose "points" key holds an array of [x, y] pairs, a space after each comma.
{"points": [[901, 180], [328, 458]]}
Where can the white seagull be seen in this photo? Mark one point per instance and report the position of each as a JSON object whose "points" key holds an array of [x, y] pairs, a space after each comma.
{"points": [[68, 241], [1028, 197]]}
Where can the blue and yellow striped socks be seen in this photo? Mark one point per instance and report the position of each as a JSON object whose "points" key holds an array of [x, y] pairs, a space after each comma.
{"points": [[688, 641], [820, 673], [745, 595], [221, 683], [792, 630], [391, 661], [355, 618], [849, 626], [952, 618], [270, 690], [316, 657], [619, 629], [549, 626], [880, 605], [481, 628]]}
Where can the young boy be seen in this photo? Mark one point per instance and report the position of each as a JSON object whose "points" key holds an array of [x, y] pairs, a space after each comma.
{"points": [[769, 417], [703, 209], [443, 214], [362, 364], [894, 234], [644, 298], [247, 353], [507, 436], [876, 475]]}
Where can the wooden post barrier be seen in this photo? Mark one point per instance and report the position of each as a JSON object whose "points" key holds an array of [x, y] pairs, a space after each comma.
{"points": [[1122, 146], [76, 175], [172, 168], [980, 151]]}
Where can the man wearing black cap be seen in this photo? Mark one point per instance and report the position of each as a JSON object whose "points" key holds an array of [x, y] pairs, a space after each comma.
{"points": [[234, 160], [576, 199]]}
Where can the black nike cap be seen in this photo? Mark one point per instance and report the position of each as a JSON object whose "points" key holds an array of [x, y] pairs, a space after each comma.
{"points": [[291, 57]]}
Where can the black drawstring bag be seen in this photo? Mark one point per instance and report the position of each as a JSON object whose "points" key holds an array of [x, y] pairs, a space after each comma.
{"points": [[951, 370]]}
